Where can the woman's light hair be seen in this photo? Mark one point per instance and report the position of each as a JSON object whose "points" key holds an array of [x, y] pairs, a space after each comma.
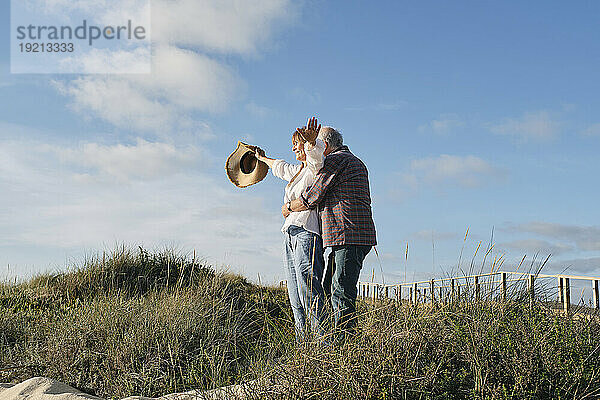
{"points": [[296, 137], [331, 136]]}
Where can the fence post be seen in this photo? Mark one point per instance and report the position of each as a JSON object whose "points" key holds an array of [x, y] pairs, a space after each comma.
{"points": [[441, 295], [387, 293], [596, 294], [531, 287], [432, 290], [477, 288], [375, 292], [503, 279], [566, 295], [415, 298], [452, 293], [561, 292]]}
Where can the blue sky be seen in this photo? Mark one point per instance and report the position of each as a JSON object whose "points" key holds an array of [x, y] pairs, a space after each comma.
{"points": [[479, 115]]}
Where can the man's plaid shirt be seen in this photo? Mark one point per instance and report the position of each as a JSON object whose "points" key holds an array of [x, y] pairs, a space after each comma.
{"points": [[341, 191]]}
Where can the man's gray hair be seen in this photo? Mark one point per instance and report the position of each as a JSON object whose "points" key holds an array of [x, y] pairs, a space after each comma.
{"points": [[331, 136]]}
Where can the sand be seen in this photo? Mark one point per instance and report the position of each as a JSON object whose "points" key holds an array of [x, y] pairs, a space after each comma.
{"points": [[41, 388]]}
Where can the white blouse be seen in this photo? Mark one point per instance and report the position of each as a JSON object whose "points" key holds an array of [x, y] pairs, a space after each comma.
{"points": [[299, 179]]}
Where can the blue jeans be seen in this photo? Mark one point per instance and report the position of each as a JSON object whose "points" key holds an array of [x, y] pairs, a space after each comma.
{"points": [[348, 263], [303, 257]]}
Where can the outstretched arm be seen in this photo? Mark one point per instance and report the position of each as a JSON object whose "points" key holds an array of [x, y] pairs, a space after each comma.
{"points": [[279, 168]]}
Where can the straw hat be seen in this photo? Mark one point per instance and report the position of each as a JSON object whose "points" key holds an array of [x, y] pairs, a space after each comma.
{"points": [[242, 167]]}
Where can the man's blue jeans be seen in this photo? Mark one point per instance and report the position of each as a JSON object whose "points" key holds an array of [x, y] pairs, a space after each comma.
{"points": [[348, 263], [303, 256]]}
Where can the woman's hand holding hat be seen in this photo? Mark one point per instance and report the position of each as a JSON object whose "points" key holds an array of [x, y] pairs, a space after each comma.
{"points": [[259, 153], [261, 156]]}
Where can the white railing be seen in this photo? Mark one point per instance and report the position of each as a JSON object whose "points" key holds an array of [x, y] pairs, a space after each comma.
{"points": [[487, 285]]}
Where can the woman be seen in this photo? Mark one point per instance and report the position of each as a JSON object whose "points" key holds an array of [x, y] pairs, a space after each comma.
{"points": [[303, 245]]}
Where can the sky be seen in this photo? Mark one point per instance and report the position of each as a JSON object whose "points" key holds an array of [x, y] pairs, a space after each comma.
{"points": [[472, 115]]}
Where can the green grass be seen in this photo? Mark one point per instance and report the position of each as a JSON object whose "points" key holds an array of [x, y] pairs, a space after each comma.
{"points": [[139, 323]]}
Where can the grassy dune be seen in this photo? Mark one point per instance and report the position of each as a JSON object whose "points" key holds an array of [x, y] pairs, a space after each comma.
{"points": [[135, 323]]}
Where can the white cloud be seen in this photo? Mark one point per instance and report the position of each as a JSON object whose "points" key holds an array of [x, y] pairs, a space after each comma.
{"points": [[592, 130], [576, 266], [533, 126], [120, 102], [190, 80], [467, 171], [109, 61], [442, 172], [586, 238], [444, 124], [224, 26], [181, 80], [142, 161], [534, 246]]}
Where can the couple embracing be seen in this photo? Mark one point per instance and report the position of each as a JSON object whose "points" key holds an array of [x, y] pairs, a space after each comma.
{"points": [[327, 204]]}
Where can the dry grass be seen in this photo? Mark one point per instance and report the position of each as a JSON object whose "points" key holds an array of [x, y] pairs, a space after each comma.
{"points": [[134, 323]]}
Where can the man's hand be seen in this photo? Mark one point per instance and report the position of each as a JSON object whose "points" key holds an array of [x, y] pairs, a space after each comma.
{"points": [[295, 205], [284, 210], [310, 132]]}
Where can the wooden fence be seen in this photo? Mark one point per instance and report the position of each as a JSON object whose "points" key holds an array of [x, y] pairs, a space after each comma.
{"points": [[493, 285]]}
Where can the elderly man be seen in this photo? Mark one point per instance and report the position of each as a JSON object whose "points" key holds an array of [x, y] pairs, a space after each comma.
{"points": [[341, 193]]}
